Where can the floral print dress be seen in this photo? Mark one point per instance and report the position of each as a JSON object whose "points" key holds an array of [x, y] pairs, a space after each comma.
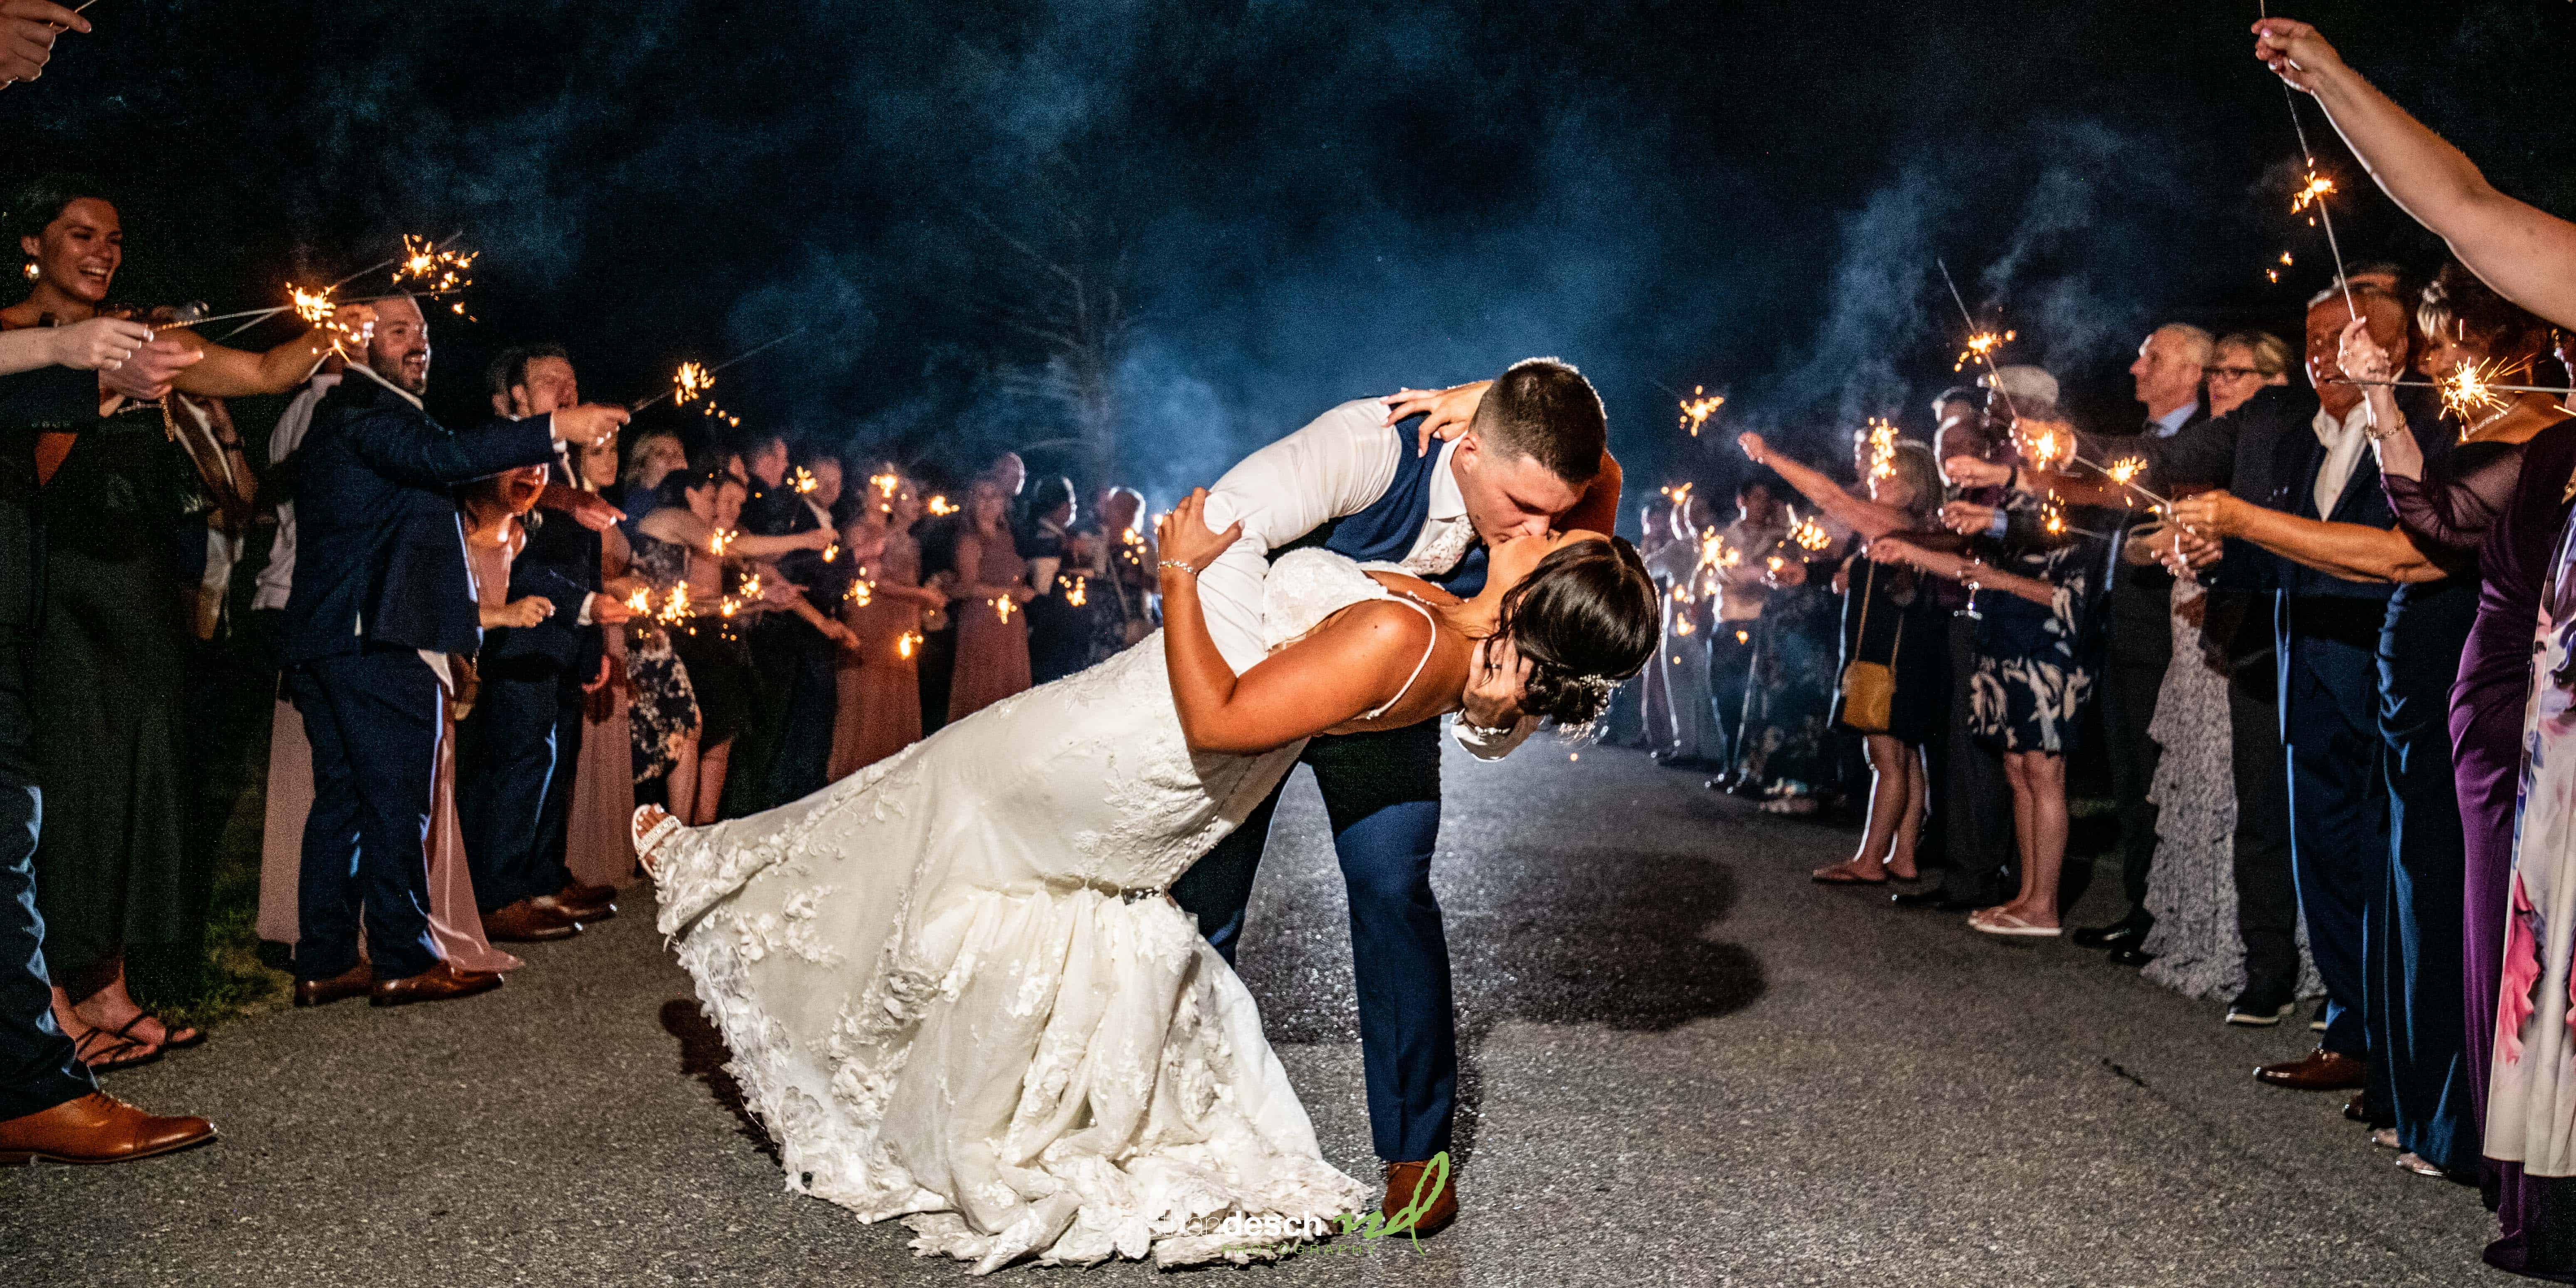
{"points": [[2529, 1115], [2034, 663], [665, 712]]}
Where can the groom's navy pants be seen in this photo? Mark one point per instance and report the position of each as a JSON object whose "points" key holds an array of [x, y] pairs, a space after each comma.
{"points": [[1382, 793]]}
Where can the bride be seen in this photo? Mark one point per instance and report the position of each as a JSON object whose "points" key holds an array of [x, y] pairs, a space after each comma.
{"points": [[954, 986]]}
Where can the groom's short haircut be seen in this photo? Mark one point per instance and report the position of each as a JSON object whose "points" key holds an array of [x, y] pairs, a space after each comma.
{"points": [[1544, 409]]}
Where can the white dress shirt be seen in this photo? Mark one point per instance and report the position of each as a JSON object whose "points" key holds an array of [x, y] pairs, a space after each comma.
{"points": [[277, 580], [1338, 465], [2344, 440]]}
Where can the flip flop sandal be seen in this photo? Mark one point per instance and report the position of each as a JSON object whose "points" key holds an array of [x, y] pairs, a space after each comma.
{"points": [[1837, 876], [196, 1036], [2008, 926], [105, 1052]]}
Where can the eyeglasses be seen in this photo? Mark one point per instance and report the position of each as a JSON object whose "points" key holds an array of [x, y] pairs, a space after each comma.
{"points": [[2231, 373]]}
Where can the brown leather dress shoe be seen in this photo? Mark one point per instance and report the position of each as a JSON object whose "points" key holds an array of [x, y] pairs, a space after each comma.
{"points": [[352, 982], [96, 1128], [573, 901], [1412, 1205], [529, 921], [439, 983], [2319, 1070]]}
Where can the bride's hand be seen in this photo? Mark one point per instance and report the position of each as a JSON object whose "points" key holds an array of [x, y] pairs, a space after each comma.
{"points": [[1183, 536], [1445, 412], [1754, 449]]}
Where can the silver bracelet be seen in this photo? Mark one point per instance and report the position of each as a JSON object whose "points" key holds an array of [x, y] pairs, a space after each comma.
{"points": [[1175, 563]]}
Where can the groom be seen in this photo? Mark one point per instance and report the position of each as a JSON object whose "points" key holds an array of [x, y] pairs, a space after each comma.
{"points": [[1531, 458]]}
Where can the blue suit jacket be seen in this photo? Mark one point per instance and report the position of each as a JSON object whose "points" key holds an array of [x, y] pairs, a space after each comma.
{"points": [[380, 550]]}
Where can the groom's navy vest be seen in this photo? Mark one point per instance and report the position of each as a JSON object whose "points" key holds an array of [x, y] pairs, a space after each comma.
{"points": [[1385, 531]]}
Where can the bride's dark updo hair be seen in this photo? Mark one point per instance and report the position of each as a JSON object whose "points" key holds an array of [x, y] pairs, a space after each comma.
{"points": [[1585, 619]]}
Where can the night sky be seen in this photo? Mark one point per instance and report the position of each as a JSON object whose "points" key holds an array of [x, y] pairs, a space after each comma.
{"points": [[1294, 203]]}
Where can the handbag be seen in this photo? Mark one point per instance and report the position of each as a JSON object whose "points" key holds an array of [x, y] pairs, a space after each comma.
{"points": [[1869, 688]]}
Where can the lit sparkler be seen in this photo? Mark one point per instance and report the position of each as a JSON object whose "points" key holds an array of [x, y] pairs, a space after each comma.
{"points": [[905, 643], [940, 506], [706, 374], [1697, 408], [750, 587], [1882, 449], [1982, 346], [640, 602], [675, 607], [885, 484], [1003, 606], [1810, 535], [1077, 591], [861, 593], [720, 541]]}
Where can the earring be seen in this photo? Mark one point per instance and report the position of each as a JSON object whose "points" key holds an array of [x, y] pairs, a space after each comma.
{"points": [[31, 270]]}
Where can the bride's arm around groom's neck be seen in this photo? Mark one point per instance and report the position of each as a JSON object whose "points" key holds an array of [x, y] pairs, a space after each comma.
{"points": [[1338, 464]]}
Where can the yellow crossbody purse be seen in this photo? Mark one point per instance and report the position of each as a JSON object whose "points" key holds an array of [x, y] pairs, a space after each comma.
{"points": [[1869, 688]]}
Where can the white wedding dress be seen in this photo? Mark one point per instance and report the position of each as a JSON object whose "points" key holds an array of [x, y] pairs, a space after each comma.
{"points": [[956, 991]]}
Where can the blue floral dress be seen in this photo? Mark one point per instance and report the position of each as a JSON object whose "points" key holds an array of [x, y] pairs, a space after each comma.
{"points": [[2034, 663]]}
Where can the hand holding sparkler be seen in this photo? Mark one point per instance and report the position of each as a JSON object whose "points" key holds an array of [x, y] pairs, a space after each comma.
{"points": [[1753, 446], [99, 344], [27, 32], [2212, 514], [2295, 52], [589, 424], [1969, 519], [148, 374]]}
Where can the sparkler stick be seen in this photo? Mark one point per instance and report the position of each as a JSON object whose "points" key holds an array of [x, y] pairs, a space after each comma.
{"points": [[708, 372], [1985, 351], [2313, 193]]}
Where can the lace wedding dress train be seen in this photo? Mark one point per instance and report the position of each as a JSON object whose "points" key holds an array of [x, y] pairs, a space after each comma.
{"points": [[956, 991]]}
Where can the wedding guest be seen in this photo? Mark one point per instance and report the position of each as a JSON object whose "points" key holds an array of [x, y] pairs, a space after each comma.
{"points": [[2241, 363], [519, 750], [380, 608], [599, 841], [1683, 656], [290, 758], [2523, 254], [1890, 621], [1971, 824], [50, 1104], [1059, 634], [1623, 722], [2035, 666], [654, 455], [991, 594], [786, 744], [114, 872], [880, 694], [2138, 639], [938, 534], [2444, 509], [1786, 750], [1757, 527], [1122, 566]]}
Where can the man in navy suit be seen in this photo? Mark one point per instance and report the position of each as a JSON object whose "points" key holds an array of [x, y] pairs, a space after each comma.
{"points": [[383, 606], [1531, 458], [517, 752]]}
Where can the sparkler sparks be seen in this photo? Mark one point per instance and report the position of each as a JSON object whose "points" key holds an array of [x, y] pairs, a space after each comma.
{"points": [[720, 541], [1077, 590], [2309, 194], [2125, 469], [804, 481], [861, 593], [1882, 449], [640, 603], [940, 506], [1982, 345], [905, 643], [1004, 606], [885, 484], [675, 608], [1697, 408], [1810, 535]]}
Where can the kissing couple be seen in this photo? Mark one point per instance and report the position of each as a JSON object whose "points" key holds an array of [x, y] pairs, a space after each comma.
{"points": [[969, 984]]}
